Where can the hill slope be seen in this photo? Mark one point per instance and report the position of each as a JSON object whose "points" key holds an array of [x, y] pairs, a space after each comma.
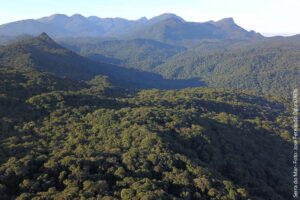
{"points": [[59, 141], [270, 66], [42, 53], [267, 65], [143, 54], [5, 40], [174, 30]]}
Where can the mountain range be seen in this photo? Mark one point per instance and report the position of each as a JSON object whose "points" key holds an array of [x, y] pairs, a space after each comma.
{"points": [[159, 109], [44, 54], [269, 65], [162, 52], [74, 128], [165, 27]]}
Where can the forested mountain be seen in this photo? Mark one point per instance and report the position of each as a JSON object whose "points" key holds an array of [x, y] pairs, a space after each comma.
{"points": [[232, 30], [141, 54], [267, 65], [174, 30], [61, 139], [217, 54], [42, 53], [165, 27], [96, 125], [270, 66], [5, 40]]}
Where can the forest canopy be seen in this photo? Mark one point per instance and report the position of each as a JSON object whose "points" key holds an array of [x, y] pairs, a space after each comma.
{"points": [[72, 128], [64, 140]]}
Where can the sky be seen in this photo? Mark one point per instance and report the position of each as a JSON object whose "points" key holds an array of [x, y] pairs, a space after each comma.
{"points": [[269, 17]]}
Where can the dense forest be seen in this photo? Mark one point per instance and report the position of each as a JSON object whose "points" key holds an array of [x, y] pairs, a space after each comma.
{"points": [[139, 53], [42, 53], [73, 128], [66, 140], [265, 65]]}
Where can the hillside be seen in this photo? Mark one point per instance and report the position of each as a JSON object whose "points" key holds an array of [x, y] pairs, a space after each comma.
{"points": [[75, 128], [42, 53], [266, 65], [66, 140], [141, 54], [5, 40], [173, 30], [157, 108], [269, 66]]}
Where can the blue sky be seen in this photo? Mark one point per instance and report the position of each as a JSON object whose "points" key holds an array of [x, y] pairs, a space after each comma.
{"points": [[264, 16]]}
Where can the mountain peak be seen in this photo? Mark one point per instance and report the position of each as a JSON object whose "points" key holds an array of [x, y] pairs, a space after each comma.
{"points": [[58, 16], [52, 18], [94, 18], [165, 16], [142, 19], [228, 20], [77, 16], [44, 35], [43, 38]]}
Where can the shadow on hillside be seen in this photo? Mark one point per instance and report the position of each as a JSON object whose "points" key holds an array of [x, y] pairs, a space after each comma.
{"points": [[247, 155], [144, 80], [240, 109], [99, 64], [101, 58]]}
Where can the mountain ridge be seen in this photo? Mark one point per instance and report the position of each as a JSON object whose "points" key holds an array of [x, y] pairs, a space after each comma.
{"points": [[44, 54], [61, 25]]}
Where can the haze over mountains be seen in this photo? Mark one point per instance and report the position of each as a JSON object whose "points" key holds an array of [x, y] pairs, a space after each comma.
{"points": [[217, 54], [163, 27], [83, 115], [44, 54]]}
